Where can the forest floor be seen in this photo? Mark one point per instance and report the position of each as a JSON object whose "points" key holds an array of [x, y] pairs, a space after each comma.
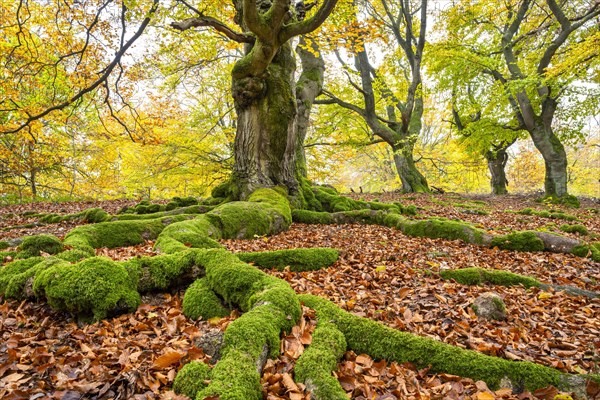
{"points": [[381, 274]]}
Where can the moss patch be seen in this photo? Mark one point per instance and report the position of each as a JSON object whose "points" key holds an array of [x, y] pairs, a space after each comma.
{"points": [[591, 250], [478, 276], [576, 228], [297, 259], [96, 287], [521, 241], [191, 379], [201, 302], [32, 246]]}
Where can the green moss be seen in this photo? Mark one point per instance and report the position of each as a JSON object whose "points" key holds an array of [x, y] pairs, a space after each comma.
{"points": [[591, 250], [8, 271], [315, 366], [4, 245], [438, 228], [265, 212], [191, 378], [197, 233], [201, 302], [567, 200], [94, 215], [5, 254], [16, 287], [477, 276], [95, 287], [296, 259], [520, 241], [234, 378], [576, 228], [114, 234], [73, 255], [381, 342], [32, 246], [312, 217]]}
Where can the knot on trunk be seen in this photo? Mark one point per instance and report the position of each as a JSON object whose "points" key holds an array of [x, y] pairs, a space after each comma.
{"points": [[248, 89]]}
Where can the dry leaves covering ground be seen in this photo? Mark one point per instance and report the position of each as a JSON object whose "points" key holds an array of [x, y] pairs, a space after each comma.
{"points": [[381, 274]]}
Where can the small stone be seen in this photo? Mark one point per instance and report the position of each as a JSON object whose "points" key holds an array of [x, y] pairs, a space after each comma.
{"points": [[490, 306], [211, 343]]}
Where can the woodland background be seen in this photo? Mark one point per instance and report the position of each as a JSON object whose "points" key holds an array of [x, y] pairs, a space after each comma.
{"points": [[164, 124]]}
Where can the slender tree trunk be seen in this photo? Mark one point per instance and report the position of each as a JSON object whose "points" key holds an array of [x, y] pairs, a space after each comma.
{"points": [[266, 140], [32, 177], [308, 88], [555, 159], [496, 160]]}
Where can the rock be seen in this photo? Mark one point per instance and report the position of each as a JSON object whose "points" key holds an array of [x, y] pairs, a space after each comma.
{"points": [[490, 306], [211, 343]]}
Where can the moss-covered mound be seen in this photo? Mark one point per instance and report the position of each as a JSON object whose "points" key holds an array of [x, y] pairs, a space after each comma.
{"points": [[478, 276], [297, 259], [33, 246], [97, 285], [575, 228]]}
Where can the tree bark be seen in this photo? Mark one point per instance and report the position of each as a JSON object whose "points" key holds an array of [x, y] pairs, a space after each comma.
{"points": [[412, 180], [496, 160], [265, 142], [555, 159], [309, 86]]}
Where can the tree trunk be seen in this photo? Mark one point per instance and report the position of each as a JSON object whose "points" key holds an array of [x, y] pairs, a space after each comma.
{"points": [[266, 140], [555, 160], [32, 177], [496, 160], [308, 88], [412, 180]]}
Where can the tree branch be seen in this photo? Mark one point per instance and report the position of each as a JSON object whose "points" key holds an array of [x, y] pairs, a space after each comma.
{"points": [[102, 79], [206, 21], [308, 25]]}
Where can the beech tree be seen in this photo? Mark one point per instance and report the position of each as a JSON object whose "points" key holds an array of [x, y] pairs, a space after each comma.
{"points": [[524, 47], [266, 140], [394, 117]]}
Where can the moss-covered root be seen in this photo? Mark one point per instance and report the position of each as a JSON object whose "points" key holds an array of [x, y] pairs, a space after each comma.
{"points": [[115, 234], [432, 228], [97, 285], [478, 276], [381, 342], [297, 259], [32, 246], [315, 366], [200, 301], [271, 305], [266, 212], [327, 199], [191, 379], [90, 216]]}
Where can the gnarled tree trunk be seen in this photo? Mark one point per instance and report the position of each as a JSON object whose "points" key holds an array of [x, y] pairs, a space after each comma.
{"points": [[555, 159], [496, 160], [412, 180], [266, 140]]}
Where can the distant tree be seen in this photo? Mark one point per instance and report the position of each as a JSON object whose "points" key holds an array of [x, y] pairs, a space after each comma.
{"points": [[394, 116], [535, 54]]}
